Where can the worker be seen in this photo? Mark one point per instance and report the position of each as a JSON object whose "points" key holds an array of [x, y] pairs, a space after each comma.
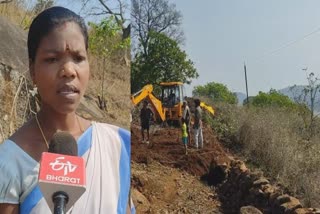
{"points": [[145, 116], [186, 115], [197, 126], [172, 98], [184, 135]]}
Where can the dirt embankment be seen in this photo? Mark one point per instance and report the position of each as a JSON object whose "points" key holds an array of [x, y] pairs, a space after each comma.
{"points": [[168, 150], [210, 180], [165, 180]]}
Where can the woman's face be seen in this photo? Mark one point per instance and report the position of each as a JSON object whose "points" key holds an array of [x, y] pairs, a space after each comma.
{"points": [[61, 69]]}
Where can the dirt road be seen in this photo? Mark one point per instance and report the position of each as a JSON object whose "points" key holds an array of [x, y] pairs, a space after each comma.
{"points": [[165, 180]]}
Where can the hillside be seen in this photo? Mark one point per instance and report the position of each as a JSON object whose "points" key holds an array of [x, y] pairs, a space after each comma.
{"points": [[209, 180], [296, 93]]}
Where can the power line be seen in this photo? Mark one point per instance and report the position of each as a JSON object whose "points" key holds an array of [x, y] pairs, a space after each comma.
{"points": [[288, 45]]}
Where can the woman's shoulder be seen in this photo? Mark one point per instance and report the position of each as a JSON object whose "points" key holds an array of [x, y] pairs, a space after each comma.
{"points": [[15, 166], [7, 149], [9, 186], [12, 156], [113, 131], [27, 139], [109, 127]]}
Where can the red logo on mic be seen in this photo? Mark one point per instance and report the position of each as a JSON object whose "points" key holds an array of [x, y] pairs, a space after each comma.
{"points": [[64, 169], [66, 166]]}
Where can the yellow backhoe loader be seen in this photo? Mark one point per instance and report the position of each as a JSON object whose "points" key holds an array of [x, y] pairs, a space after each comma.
{"points": [[168, 106]]}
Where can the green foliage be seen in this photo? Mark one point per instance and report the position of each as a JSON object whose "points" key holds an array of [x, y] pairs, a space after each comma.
{"points": [[216, 91], [165, 62], [273, 99], [105, 38], [273, 139], [106, 43], [26, 22], [225, 122]]}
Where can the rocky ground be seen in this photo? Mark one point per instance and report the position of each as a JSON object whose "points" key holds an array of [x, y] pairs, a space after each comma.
{"points": [[162, 189]]}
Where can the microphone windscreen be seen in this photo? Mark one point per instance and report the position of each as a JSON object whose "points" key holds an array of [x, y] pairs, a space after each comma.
{"points": [[63, 143]]}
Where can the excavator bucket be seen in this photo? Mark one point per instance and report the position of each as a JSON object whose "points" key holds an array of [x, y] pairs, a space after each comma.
{"points": [[206, 107]]}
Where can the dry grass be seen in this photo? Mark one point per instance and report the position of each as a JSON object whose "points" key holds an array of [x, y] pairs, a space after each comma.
{"points": [[274, 140], [16, 13], [14, 102], [116, 89]]}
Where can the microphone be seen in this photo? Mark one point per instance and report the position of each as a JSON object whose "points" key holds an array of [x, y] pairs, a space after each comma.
{"points": [[62, 174]]}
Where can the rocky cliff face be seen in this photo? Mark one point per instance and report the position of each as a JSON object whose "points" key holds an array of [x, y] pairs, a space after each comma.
{"points": [[13, 46], [14, 82]]}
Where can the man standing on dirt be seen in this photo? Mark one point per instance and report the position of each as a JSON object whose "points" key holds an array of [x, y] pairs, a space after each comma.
{"points": [[145, 115], [186, 115], [197, 126]]}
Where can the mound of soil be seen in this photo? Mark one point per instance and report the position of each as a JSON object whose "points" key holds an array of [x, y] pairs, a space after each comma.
{"points": [[166, 148], [161, 189], [165, 180]]}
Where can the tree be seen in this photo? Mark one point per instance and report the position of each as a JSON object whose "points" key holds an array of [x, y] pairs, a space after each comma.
{"points": [[308, 96], [311, 91], [119, 9], [273, 99], [5, 1], [154, 16], [216, 91], [105, 41], [165, 62]]}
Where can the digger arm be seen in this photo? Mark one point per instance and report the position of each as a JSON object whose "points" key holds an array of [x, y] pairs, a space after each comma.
{"points": [[157, 105], [142, 94], [206, 107], [146, 93]]}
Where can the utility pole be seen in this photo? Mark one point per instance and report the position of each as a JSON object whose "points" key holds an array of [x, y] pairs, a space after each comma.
{"points": [[245, 74]]}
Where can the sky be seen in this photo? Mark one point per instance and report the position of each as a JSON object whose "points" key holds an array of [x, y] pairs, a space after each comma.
{"points": [[76, 6], [276, 39]]}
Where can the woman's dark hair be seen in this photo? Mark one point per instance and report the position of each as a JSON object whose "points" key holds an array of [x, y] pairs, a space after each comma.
{"points": [[46, 21]]}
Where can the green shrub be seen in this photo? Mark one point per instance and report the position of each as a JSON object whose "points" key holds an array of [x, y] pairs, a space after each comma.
{"points": [[274, 138]]}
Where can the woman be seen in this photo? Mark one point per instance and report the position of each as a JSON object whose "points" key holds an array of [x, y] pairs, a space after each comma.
{"points": [[58, 62]]}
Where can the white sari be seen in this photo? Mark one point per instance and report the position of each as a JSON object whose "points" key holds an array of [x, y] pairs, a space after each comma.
{"points": [[106, 151]]}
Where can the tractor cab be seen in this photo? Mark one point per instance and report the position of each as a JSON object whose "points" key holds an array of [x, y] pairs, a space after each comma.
{"points": [[172, 95]]}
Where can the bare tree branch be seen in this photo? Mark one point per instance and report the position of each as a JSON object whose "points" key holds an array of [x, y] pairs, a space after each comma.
{"points": [[158, 16], [97, 14], [5, 1], [105, 10], [84, 5]]}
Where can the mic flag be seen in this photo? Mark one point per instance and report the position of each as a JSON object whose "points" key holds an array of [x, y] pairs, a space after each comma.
{"points": [[62, 172]]}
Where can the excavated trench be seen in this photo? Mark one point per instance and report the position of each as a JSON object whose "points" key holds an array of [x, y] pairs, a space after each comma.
{"points": [[236, 186]]}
